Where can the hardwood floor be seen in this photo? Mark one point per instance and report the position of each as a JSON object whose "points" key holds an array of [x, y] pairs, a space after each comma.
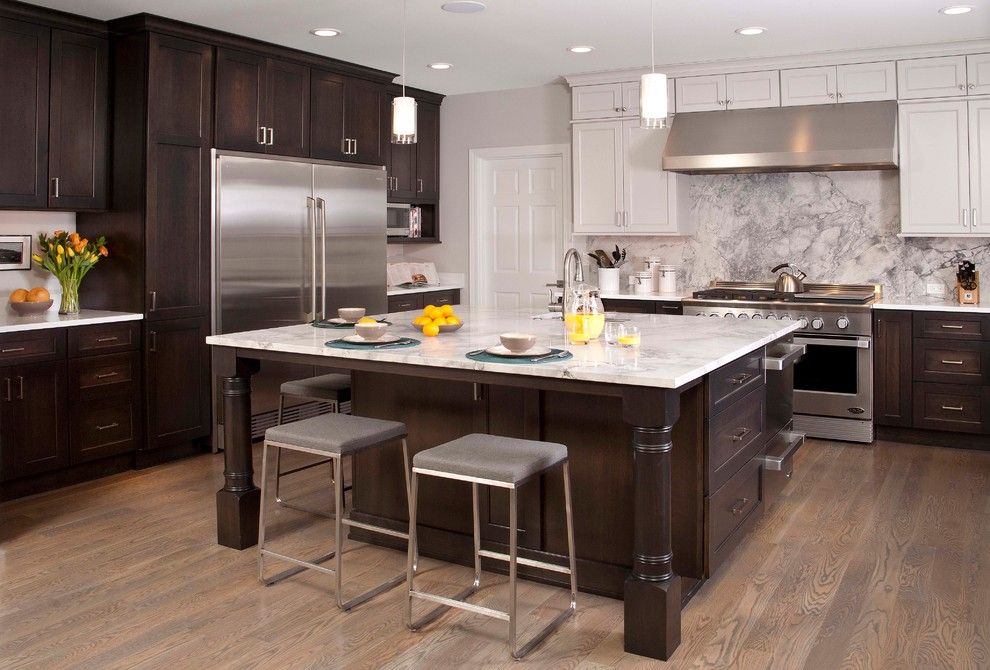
{"points": [[875, 557]]}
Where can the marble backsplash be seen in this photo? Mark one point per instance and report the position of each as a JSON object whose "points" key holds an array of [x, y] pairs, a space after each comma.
{"points": [[839, 227]]}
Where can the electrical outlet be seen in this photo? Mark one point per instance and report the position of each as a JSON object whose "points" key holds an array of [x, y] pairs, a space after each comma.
{"points": [[934, 288]]}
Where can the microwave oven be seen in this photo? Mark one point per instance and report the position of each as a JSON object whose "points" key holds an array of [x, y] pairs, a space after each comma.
{"points": [[402, 220]]}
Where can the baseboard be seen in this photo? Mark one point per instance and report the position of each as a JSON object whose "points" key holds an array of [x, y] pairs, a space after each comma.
{"points": [[147, 458], [76, 474], [933, 438]]}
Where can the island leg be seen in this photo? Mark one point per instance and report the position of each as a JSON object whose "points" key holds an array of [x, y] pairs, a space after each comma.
{"points": [[238, 502], [652, 593]]}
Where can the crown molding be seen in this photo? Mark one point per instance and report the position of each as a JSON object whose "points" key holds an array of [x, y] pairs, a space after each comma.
{"points": [[815, 59]]}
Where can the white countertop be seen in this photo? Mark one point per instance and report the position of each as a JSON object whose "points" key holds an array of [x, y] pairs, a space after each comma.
{"points": [[13, 323], [675, 350], [393, 290], [929, 303], [625, 294]]}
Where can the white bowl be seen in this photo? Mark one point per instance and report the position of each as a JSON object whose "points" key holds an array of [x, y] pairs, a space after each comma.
{"points": [[371, 331], [517, 343], [351, 313]]}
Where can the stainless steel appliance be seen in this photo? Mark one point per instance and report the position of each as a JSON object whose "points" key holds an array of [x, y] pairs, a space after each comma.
{"points": [[293, 240], [833, 380], [397, 219]]}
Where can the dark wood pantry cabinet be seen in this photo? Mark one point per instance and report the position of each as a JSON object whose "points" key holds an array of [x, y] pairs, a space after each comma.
{"points": [[347, 119]]}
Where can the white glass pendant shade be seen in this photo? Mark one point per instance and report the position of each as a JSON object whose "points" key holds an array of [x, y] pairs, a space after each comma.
{"points": [[403, 120], [653, 100]]}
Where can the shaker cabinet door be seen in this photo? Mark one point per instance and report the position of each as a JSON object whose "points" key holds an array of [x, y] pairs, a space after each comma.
{"points": [[978, 74], [598, 187], [979, 165], [364, 117], [242, 101], [807, 86], [750, 90], [34, 434], [428, 151], [288, 109], [601, 101], [646, 188], [177, 374], [326, 124], [931, 77], [863, 82], [700, 94], [892, 365]]}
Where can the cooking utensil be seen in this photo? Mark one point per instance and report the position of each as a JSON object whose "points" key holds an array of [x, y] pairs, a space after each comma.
{"points": [[595, 258], [787, 282], [616, 255], [603, 260]]}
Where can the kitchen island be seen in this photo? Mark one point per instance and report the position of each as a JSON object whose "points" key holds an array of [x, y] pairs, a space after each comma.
{"points": [[643, 530]]}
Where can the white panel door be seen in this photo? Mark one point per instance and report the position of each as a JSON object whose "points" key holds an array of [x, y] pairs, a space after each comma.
{"points": [[525, 205], [862, 82], [601, 101], [934, 168], [979, 166], [749, 90], [646, 193], [978, 73], [597, 158], [931, 77], [807, 86], [700, 94]]}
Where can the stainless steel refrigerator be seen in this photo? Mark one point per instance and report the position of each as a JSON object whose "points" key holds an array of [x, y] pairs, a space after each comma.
{"points": [[293, 240]]}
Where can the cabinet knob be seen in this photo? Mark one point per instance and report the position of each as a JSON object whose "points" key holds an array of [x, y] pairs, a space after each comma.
{"points": [[962, 87], [625, 109], [971, 86], [839, 94], [831, 96], [617, 109]]}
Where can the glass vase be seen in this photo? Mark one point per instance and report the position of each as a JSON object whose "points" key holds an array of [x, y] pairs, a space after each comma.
{"points": [[70, 296]]}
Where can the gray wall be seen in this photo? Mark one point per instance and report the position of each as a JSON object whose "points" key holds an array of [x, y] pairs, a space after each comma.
{"points": [[512, 118]]}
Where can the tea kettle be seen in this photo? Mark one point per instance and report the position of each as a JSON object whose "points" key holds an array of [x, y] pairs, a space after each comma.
{"points": [[787, 282]]}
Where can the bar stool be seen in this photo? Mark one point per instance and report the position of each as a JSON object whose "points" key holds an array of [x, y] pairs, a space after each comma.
{"points": [[334, 436], [333, 389], [506, 463]]}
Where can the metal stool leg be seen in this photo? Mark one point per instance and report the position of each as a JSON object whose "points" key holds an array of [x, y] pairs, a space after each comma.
{"points": [[338, 526], [261, 512], [412, 550], [476, 514], [569, 511], [513, 555]]}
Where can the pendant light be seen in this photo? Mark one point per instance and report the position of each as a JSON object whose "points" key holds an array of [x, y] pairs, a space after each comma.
{"points": [[404, 107], [653, 89]]}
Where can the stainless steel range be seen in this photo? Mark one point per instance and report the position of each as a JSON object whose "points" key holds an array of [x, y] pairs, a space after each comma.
{"points": [[833, 381]]}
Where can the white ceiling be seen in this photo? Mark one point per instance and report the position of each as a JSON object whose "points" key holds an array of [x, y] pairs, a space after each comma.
{"points": [[520, 43]]}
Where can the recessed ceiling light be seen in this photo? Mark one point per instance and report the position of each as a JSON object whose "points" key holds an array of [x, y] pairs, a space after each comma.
{"points": [[580, 49], [956, 9], [439, 66], [463, 6], [751, 30], [325, 32]]}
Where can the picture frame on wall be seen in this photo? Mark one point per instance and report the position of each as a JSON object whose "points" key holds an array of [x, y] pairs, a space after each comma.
{"points": [[15, 252]]}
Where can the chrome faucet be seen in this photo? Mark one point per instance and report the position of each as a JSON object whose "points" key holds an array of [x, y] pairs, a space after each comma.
{"points": [[573, 271]]}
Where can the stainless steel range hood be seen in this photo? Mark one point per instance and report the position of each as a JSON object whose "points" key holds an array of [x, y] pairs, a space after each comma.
{"points": [[848, 136]]}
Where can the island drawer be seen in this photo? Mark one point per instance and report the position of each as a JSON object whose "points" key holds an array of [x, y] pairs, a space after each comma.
{"points": [[103, 428], [951, 326], [735, 436], [438, 298], [104, 338], [405, 303], [733, 381], [946, 362], [732, 504], [100, 375], [32, 346], [953, 407]]}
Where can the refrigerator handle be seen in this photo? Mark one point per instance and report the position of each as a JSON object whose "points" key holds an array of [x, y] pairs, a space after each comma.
{"points": [[321, 207], [311, 222]]}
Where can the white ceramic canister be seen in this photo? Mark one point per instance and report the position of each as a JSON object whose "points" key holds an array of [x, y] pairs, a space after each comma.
{"points": [[667, 276], [652, 263], [608, 280], [644, 282]]}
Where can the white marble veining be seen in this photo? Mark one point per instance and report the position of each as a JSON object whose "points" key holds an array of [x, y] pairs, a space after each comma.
{"points": [[840, 227], [927, 303], [423, 289], [675, 350], [13, 323]]}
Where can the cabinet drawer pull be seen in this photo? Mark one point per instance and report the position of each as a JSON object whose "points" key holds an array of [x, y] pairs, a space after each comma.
{"points": [[740, 505], [13, 350], [107, 375], [108, 339], [740, 434], [952, 362], [55, 188], [951, 326], [952, 408], [108, 426], [738, 379], [6, 390], [20, 387], [419, 185]]}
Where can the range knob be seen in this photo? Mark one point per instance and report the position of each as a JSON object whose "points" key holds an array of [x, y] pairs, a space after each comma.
{"points": [[743, 316], [700, 314], [817, 323], [785, 318], [772, 316], [842, 322], [728, 315], [757, 316], [713, 315], [803, 322]]}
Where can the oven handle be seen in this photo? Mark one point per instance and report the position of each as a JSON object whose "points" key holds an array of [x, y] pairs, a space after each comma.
{"points": [[857, 342], [784, 356]]}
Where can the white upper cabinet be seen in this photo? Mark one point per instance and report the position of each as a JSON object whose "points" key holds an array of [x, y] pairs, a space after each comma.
{"points": [[748, 90], [934, 168], [598, 174], [978, 74], [979, 166], [863, 82], [807, 86], [650, 197], [700, 94], [931, 77], [596, 102]]}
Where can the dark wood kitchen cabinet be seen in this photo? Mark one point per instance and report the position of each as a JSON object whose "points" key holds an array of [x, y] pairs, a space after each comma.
{"points": [[262, 104], [892, 368], [401, 167], [414, 169], [347, 119], [177, 366], [34, 435]]}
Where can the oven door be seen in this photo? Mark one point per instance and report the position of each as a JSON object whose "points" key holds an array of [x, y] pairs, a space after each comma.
{"points": [[834, 377]]}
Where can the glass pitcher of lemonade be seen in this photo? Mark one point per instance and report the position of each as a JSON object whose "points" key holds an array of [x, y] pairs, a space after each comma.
{"points": [[584, 315]]}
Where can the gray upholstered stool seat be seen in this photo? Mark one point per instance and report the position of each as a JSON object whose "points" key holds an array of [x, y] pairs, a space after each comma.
{"points": [[498, 459], [327, 387], [336, 433]]}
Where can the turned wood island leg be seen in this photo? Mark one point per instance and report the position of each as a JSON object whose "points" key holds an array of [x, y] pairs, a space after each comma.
{"points": [[652, 595], [238, 502]]}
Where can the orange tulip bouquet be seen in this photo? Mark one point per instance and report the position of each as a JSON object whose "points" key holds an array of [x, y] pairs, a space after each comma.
{"points": [[69, 257]]}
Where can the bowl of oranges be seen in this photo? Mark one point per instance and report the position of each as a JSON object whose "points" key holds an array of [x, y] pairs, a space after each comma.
{"points": [[436, 320], [30, 301]]}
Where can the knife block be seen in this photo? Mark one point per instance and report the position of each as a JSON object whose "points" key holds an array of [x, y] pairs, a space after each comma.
{"points": [[969, 296]]}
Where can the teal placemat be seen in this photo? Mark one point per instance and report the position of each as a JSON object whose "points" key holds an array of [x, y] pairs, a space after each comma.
{"points": [[404, 343], [485, 357], [327, 324]]}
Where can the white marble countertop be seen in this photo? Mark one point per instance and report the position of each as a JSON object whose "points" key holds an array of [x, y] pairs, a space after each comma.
{"points": [[13, 323], [394, 290], [626, 294], [929, 303], [675, 350]]}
